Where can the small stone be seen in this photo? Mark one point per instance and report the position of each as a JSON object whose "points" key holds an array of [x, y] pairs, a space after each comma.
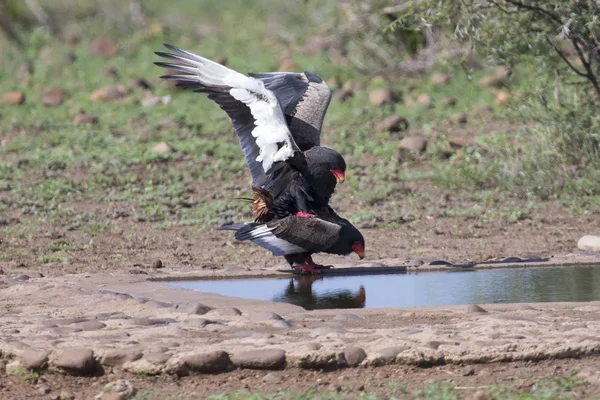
{"points": [[480, 395], [450, 101], [140, 83], [415, 262], [282, 323], [89, 325], [76, 361], [109, 93], [192, 308], [380, 97], [354, 355], [260, 359], [393, 123], [212, 362], [475, 309], [424, 100], [264, 316], [226, 311], [120, 356], [84, 119], [483, 112], [589, 243], [272, 377], [502, 98], [326, 330], [13, 98], [162, 148], [157, 264], [121, 387], [53, 96], [34, 359], [415, 144], [64, 395], [313, 346], [460, 118], [389, 354], [43, 390], [439, 79], [21, 278], [143, 321], [103, 47], [156, 358]]}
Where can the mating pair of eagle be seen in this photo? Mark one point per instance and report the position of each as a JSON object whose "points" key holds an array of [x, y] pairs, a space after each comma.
{"points": [[277, 118]]}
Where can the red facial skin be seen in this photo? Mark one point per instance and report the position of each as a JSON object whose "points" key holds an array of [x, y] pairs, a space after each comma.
{"points": [[358, 249], [303, 214], [339, 174]]}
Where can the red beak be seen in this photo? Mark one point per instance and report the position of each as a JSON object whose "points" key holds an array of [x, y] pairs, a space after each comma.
{"points": [[339, 175], [359, 249]]}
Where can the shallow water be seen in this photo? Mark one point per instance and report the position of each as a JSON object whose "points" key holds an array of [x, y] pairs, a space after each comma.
{"points": [[422, 289]]}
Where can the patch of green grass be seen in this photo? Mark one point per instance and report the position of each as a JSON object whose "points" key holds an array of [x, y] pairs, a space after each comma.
{"points": [[25, 375]]}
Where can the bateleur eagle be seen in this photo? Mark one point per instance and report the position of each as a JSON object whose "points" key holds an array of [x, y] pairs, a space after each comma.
{"points": [[277, 118]]}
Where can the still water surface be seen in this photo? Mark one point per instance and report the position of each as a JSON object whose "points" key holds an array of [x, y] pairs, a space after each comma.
{"points": [[423, 289]]}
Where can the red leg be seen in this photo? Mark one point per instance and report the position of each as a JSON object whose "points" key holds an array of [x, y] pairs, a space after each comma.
{"points": [[307, 269], [303, 214], [317, 266]]}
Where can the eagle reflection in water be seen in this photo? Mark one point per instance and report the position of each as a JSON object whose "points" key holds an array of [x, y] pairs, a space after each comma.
{"points": [[299, 292]]}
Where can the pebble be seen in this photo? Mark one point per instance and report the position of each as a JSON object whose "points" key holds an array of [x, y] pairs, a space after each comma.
{"points": [[156, 358], [76, 361], [192, 308], [121, 387], [313, 346], [157, 264], [389, 354], [439, 79], [475, 309], [162, 148], [143, 321], [589, 243], [14, 98], [424, 100], [260, 359], [264, 316], [53, 96], [393, 123], [109, 93], [415, 144], [120, 356], [43, 390], [450, 101], [211, 362], [379, 97], [460, 118], [84, 119], [104, 47], [354, 355], [34, 359], [226, 311], [64, 395]]}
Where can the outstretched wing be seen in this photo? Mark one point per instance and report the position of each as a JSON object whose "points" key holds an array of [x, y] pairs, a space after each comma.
{"points": [[254, 110], [304, 99]]}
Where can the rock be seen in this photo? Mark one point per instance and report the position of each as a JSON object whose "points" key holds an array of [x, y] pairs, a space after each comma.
{"points": [[109, 93], [43, 390], [389, 354], [379, 97], [483, 112], [460, 118], [84, 119], [64, 395], [89, 325], [156, 358], [76, 361], [589, 243], [393, 123], [502, 98], [212, 362], [264, 316], [34, 359], [313, 346], [260, 359], [415, 262], [121, 387], [326, 330], [157, 264], [120, 356], [226, 311], [354, 355], [416, 144], [272, 377], [103, 47], [450, 101], [140, 83], [13, 98], [481, 394], [424, 100], [192, 308], [143, 321], [53, 96], [475, 309], [162, 148], [439, 79], [281, 323]]}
